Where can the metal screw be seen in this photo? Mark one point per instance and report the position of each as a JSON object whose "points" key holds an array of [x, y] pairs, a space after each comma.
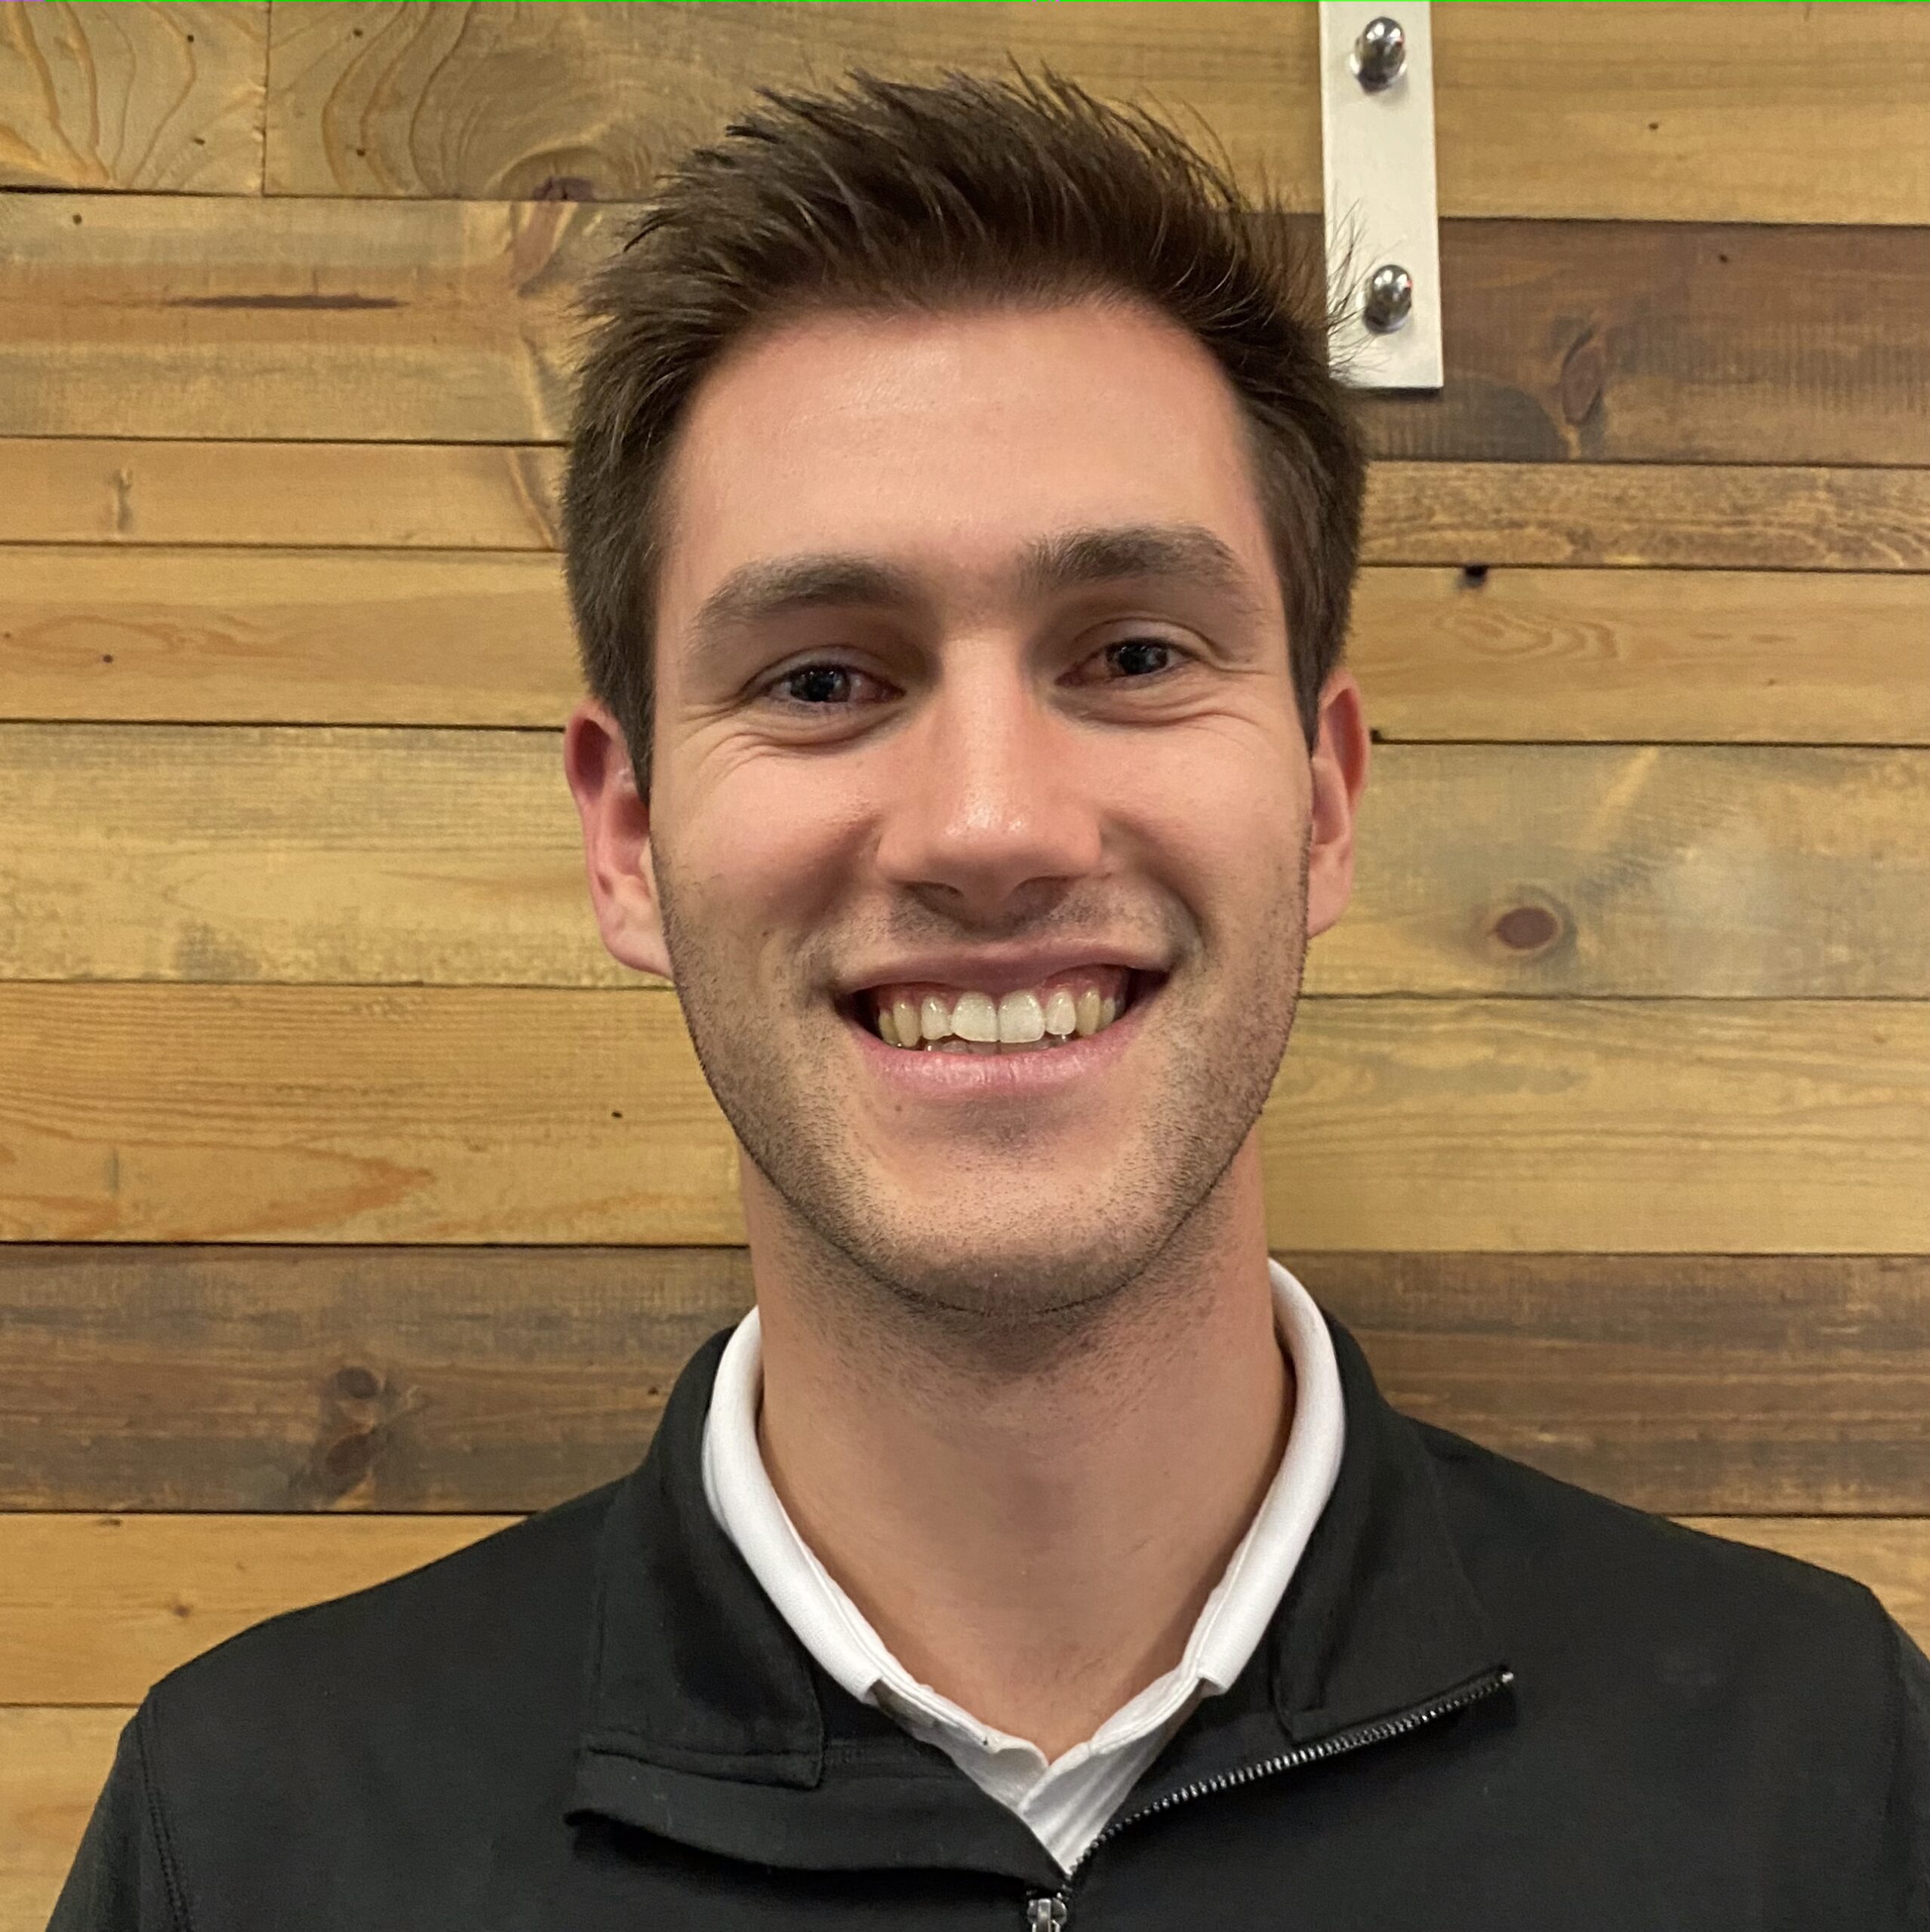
{"points": [[1389, 298], [1380, 54]]}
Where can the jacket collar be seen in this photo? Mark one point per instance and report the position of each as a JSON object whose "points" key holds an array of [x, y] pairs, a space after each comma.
{"points": [[708, 1723]]}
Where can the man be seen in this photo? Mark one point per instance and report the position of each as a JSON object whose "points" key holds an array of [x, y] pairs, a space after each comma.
{"points": [[960, 522]]}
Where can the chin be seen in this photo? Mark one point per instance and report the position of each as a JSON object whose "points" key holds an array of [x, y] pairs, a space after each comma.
{"points": [[996, 1274]]}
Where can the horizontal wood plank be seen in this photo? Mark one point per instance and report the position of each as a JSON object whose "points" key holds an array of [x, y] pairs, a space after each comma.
{"points": [[503, 496], [1690, 1385], [155, 97], [469, 637], [589, 103], [1662, 342], [140, 315], [54, 1759], [392, 1113], [298, 854], [252, 1377], [1753, 113], [94, 1609], [356, 636], [1766, 114], [262, 1377], [193, 1113], [1706, 516], [1729, 655], [443, 321], [312, 854], [386, 496]]}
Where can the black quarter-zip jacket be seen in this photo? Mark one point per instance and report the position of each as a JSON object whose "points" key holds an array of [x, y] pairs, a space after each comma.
{"points": [[1489, 1700]]}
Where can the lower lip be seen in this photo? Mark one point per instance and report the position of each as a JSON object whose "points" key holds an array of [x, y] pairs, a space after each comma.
{"points": [[919, 1072]]}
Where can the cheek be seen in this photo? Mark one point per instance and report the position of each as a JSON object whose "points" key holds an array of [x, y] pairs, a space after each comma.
{"points": [[1223, 821], [765, 841]]}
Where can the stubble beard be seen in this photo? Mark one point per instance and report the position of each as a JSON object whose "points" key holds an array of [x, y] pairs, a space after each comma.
{"points": [[994, 1284]]}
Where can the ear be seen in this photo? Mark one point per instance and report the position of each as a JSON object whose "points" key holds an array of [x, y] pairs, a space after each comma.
{"points": [[1338, 763], [616, 839]]}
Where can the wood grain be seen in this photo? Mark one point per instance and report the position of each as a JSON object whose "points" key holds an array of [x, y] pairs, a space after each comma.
{"points": [[1674, 342], [1703, 516], [294, 854], [258, 1376], [315, 496], [53, 1760], [475, 637], [392, 1113], [448, 322], [1643, 870], [1741, 113], [1619, 1127], [53, 1763], [326, 854], [1690, 1385], [195, 1112], [94, 1609], [467, 638], [503, 496], [263, 1377], [140, 315], [1762, 114], [1730, 656], [133, 96], [589, 103]]}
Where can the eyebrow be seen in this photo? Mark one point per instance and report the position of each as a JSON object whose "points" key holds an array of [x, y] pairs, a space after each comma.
{"points": [[759, 592], [1179, 552], [754, 593]]}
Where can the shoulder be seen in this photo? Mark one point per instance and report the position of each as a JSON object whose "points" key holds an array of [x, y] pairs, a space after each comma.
{"points": [[486, 1642], [1764, 1704], [1647, 1607]]}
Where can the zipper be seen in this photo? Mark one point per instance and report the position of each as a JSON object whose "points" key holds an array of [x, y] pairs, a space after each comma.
{"points": [[1048, 1912]]}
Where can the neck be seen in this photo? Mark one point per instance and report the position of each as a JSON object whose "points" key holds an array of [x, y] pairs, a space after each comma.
{"points": [[1033, 1533]]}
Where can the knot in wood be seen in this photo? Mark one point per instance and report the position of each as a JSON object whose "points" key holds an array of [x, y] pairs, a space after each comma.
{"points": [[1527, 928], [346, 1461], [1584, 372], [354, 1383]]}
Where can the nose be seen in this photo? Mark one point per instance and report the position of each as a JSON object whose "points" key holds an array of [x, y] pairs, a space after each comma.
{"points": [[995, 799]]}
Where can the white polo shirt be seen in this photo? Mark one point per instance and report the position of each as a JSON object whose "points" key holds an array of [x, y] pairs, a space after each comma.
{"points": [[1068, 1802]]}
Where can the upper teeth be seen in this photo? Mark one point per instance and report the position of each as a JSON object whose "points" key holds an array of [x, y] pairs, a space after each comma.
{"points": [[979, 1021]]}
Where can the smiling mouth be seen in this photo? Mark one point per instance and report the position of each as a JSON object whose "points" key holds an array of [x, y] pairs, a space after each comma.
{"points": [[1059, 1011]]}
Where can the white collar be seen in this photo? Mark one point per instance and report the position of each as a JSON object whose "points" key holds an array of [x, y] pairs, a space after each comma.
{"points": [[835, 1632]]}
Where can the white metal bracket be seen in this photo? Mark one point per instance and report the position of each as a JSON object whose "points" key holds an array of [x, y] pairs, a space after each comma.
{"points": [[1383, 249]]}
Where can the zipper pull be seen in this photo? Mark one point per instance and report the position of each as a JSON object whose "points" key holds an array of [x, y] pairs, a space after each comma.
{"points": [[1045, 1912]]}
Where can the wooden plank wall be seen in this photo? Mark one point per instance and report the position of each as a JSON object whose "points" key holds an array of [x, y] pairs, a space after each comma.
{"points": [[353, 1201]]}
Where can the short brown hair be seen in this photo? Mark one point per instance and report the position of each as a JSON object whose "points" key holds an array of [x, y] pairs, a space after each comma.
{"points": [[894, 196]]}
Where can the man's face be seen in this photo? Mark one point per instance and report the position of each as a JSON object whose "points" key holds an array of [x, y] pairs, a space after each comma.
{"points": [[975, 709]]}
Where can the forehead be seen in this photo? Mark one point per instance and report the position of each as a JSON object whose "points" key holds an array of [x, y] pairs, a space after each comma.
{"points": [[949, 444]]}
